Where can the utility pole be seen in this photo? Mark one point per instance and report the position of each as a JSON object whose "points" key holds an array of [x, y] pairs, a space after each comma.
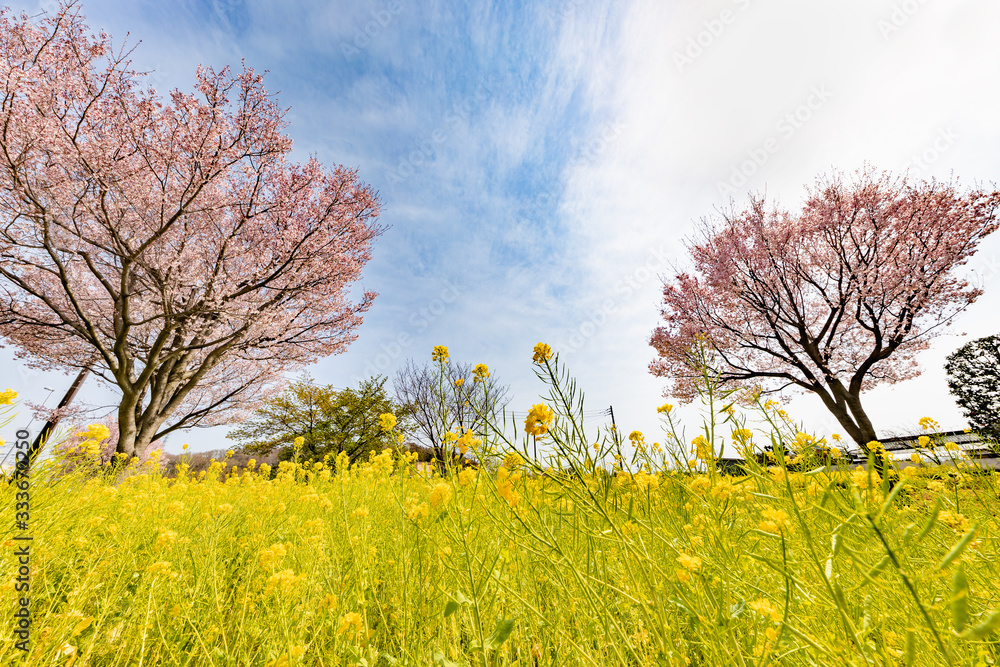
{"points": [[611, 409], [50, 425]]}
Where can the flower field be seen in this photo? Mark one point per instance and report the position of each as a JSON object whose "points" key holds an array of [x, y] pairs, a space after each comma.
{"points": [[609, 552]]}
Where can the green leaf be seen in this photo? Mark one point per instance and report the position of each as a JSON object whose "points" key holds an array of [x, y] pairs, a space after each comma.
{"points": [[959, 598], [439, 659], [911, 647], [888, 501], [930, 521], [450, 608], [985, 628], [879, 566], [500, 634], [957, 550], [736, 610]]}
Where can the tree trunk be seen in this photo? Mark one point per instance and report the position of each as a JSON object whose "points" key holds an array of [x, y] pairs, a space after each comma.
{"points": [[852, 416]]}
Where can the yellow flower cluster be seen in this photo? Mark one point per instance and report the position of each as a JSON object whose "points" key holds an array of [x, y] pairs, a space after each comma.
{"points": [[387, 421], [666, 407], [774, 520], [466, 477], [703, 449], [637, 438], [505, 486], [542, 353], [7, 396], [538, 420], [467, 440], [440, 494], [270, 556], [282, 582], [96, 432], [351, 621], [766, 608], [440, 353], [480, 372], [928, 424], [689, 564]]}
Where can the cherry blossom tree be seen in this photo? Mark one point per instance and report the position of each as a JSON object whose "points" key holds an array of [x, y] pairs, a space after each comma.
{"points": [[169, 245], [834, 299]]}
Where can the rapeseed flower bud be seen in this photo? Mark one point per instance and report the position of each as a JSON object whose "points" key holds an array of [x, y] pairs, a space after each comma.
{"points": [[440, 353]]}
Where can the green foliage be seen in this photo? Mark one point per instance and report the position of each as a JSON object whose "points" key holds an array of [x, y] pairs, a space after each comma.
{"points": [[974, 380], [329, 420]]}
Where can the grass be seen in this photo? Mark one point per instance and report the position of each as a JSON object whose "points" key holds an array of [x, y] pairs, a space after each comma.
{"points": [[607, 552]]}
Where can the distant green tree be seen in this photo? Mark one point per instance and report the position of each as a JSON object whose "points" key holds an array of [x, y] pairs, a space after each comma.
{"points": [[329, 420], [974, 380]]}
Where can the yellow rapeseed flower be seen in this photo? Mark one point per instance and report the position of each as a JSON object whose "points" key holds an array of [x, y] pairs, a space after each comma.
{"points": [[466, 477], [440, 494], [766, 608], [637, 438], [927, 423], [440, 353], [538, 420], [387, 421], [459, 382], [666, 407], [700, 484], [159, 567], [270, 556], [7, 396], [689, 562], [774, 520], [481, 372], [542, 353], [350, 620], [96, 432]]}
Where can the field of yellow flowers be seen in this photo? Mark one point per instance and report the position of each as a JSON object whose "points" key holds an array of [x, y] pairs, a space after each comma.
{"points": [[608, 552]]}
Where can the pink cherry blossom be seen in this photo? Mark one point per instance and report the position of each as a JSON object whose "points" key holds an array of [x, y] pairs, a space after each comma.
{"points": [[834, 299], [170, 243]]}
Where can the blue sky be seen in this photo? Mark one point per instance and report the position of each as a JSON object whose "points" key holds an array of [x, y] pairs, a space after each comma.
{"points": [[541, 163]]}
